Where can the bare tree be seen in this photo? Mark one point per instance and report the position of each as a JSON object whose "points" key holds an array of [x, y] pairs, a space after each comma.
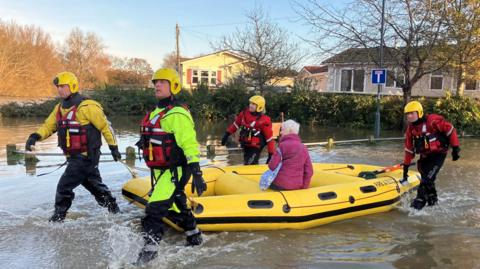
{"points": [[463, 18], [128, 72], [170, 60], [268, 52], [28, 61], [415, 34], [83, 54]]}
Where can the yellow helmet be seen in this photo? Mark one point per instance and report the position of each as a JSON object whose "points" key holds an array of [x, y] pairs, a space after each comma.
{"points": [[259, 101], [171, 75], [414, 106], [67, 78]]}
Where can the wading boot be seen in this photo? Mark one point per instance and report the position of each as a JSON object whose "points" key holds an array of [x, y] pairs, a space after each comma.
{"points": [[57, 216], [194, 239]]}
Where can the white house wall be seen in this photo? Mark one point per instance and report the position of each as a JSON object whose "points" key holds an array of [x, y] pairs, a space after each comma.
{"points": [[421, 88]]}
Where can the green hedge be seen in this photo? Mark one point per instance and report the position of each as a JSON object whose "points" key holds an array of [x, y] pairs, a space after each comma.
{"points": [[324, 109], [28, 109]]}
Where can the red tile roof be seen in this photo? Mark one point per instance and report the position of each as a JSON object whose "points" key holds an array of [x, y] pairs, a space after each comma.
{"points": [[315, 69]]}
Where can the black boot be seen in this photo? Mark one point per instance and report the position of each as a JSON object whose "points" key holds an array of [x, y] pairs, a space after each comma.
{"points": [[109, 202], [421, 200], [418, 203], [113, 207], [432, 195], [149, 250], [147, 254], [194, 239], [432, 199], [58, 216]]}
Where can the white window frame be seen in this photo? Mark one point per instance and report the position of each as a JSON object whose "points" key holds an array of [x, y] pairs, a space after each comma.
{"points": [[341, 76], [211, 76], [432, 75], [363, 81], [199, 76], [477, 86], [395, 74], [352, 80]]}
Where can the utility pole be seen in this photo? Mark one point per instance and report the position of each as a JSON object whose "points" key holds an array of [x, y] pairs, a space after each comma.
{"points": [[380, 86], [177, 37]]}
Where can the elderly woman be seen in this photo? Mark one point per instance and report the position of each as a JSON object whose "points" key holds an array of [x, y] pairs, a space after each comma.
{"points": [[296, 171]]}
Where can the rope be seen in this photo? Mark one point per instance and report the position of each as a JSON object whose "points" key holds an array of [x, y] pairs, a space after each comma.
{"points": [[43, 174], [222, 148]]}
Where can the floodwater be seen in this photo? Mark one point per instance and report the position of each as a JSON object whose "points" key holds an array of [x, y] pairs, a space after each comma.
{"points": [[444, 236]]}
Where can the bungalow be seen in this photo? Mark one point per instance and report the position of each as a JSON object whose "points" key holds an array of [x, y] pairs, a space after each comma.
{"points": [[316, 75], [350, 71], [211, 69], [216, 68]]}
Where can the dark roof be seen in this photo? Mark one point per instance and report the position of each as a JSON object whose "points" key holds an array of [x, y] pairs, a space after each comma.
{"points": [[361, 55], [315, 69]]}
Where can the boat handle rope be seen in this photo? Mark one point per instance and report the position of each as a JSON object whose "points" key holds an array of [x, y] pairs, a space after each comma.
{"points": [[286, 207], [398, 186]]}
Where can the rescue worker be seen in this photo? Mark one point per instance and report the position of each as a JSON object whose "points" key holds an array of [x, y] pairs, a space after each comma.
{"points": [[79, 123], [429, 136], [255, 131], [171, 151]]}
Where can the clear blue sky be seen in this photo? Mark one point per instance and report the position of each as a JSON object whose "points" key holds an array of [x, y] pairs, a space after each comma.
{"points": [[146, 29]]}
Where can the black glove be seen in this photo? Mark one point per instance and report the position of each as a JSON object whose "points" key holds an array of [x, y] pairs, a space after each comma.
{"points": [[115, 153], [32, 139], [198, 184], [268, 158], [405, 174], [140, 142], [455, 153], [225, 138]]}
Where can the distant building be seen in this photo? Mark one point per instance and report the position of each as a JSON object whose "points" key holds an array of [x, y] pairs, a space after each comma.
{"points": [[211, 69], [316, 76], [217, 68], [350, 71]]}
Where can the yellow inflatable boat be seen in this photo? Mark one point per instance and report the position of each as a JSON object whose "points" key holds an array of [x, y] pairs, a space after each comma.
{"points": [[234, 201]]}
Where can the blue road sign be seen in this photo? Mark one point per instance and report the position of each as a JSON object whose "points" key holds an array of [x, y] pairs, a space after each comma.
{"points": [[379, 76]]}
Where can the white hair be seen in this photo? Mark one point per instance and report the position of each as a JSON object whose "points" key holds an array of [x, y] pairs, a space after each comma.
{"points": [[290, 127]]}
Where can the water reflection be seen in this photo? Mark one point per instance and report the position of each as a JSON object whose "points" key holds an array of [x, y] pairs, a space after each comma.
{"points": [[417, 253]]}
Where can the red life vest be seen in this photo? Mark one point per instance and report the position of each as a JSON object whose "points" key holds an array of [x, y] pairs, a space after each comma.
{"points": [[72, 137], [427, 139], [251, 132], [160, 149], [433, 135]]}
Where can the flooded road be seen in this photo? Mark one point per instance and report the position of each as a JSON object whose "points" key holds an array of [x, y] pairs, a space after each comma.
{"points": [[445, 236]]}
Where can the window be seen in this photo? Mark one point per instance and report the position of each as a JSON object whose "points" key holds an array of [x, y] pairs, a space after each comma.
{"points": [[346, 81], [195, 77], [213, 78], [391, 81], [352, 80], [358, 80], [436, 81], [470, 85], [204, 77]]}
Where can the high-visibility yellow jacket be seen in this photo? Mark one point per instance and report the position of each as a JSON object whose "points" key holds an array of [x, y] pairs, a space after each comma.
{"points": [[179, 122], [88, 112]]}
